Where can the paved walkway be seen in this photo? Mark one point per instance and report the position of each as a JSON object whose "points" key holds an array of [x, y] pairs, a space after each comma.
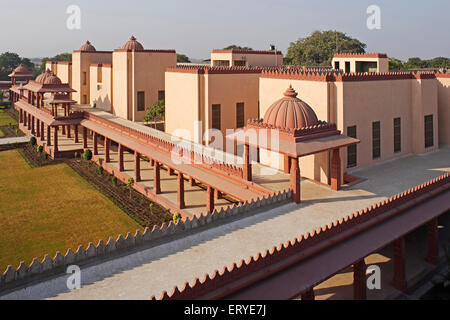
{"points": [[12, 140], [149, 272]]}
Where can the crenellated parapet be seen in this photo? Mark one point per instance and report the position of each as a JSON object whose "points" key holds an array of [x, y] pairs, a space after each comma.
{"points": [[214, 69]]}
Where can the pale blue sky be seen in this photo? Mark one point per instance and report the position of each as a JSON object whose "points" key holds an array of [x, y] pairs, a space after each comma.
{"points": [[194, 27]]}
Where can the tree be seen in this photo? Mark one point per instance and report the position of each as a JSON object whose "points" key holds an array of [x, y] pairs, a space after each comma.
{"points": [[396, 64], [58, 57], [9, 61], [318, 48], [130, 184], [155, 112], [415, 63], [182, 58], [233, 46]]}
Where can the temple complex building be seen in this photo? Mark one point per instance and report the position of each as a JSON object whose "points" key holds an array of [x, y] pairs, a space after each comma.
{"points": [[246, 58], [360, 62]]}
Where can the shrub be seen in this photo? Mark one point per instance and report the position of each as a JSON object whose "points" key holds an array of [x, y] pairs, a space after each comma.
{"points": [[130, 183], [17, 132], [176, 217], [100, 169], [33, 141], [150, 206], [114, 180], [45, 155], [87, 155], [39, 149], [75, 155]]}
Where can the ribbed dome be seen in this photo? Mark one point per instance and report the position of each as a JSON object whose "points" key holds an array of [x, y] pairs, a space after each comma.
{"points": [[87, 47], [40, 78], [133, 44], [290, 112], [52, 79]]}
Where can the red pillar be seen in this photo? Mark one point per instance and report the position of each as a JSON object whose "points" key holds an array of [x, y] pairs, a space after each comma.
{"points": [[76, 133], [85, 142], [336, 170], [156, 178], [32, 125], [399, 280], [359, 280], [433, 242], [68, 131], [38, 128], [20, 115], [121, 158], [295, 180], [247, 169], [137, 167], [63, 129], [95, 143], [49, 136], [55, 139], [210, 199], [42, 131], [180, 195], [107, 144], [308, 294]]}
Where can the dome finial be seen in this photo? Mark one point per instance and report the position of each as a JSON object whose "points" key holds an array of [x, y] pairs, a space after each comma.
{"points": [[290, 92]]}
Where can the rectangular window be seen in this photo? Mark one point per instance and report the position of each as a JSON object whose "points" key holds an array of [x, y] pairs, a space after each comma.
{"points": [[397, 135], [240, 63], [336, 65], [351, 150], [240, 119], [141, 101], [429, 132], [216, 116], [376, 142], [161, 95], [84, 78], [347, 67]]}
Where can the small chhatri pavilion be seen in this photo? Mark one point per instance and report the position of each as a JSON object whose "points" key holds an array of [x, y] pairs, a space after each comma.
{"points": [[298, 133]]}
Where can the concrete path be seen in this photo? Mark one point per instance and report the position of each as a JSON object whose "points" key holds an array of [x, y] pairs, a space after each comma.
{"points": [[12, 140], [149, 272]]}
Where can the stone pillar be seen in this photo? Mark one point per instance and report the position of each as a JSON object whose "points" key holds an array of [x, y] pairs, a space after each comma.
{"points": [[433, 242], [336, 170], [76, 133], [295, 180], [180, 195], [399, 280], [55, 140], [107, 145], [68, 131], [20, 115], [137, 167], [38, 128], [308, 294], [121, 158], [95, 143], [42, 131], [32, 125], [210, 199], [25, 118], [63, 129], [157, 178], [49, 136], [359, 280], [85, 142], [247, 169], [287, 163], [29, 122]]}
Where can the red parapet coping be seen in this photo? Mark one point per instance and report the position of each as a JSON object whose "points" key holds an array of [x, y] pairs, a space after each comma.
{"points": [[214, 70], [243, 51], [360, 55], [284, 250]]}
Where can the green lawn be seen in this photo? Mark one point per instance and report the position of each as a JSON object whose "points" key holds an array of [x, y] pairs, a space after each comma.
{"points": [[6, 119], [49, 209]]}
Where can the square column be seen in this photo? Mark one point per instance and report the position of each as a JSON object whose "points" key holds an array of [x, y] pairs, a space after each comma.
{"points": [[32, 125], [210, 199], [55, 139], [76, 133], [137, 167], [63, 129], [359, 280], [20, 115], [157, 178], [107, 144], [38, 128], [433, 242], [247, 168], [85, 142], [335, 170], [68, 131], [95, 143], [24, 118], [49, 136], [399, 280], [121, 158], [42, 131], [308, 294], [295, 180], [180, 189]]}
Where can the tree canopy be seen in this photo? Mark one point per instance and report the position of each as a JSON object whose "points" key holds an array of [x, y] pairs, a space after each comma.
{"points": [[59, 57], [318, 48], [155, 112], [182, 58], [9, 61], [233, 46], [417, 63]]}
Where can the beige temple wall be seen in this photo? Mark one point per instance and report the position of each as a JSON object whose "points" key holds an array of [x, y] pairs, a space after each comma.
{"points": [[81, 62], [62, 69], [195, 94], [253, 59], [443, 84], [101, 92], [138, 71]]}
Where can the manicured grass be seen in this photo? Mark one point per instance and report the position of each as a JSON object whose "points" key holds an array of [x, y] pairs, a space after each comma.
{"points": [[51, 208], [6, 119]]}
